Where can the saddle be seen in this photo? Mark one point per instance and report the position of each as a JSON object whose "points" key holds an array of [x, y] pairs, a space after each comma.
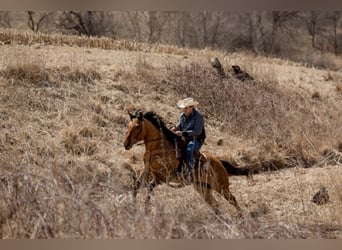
{"points": [[200, 159]]}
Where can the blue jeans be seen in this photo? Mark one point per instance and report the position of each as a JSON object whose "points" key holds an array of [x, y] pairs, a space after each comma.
{"points": [[191, 147]]}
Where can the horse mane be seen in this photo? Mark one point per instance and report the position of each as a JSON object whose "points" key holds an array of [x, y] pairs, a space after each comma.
{"points": [[159, 123]]}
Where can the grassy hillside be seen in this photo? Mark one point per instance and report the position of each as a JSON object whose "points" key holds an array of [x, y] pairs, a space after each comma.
{"points": [[64, 171]]}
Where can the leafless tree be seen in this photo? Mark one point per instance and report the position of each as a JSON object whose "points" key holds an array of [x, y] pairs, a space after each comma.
{"points": [[312, 23], [133, 21], [335, 18], [204, 20], [257, 27], [4, 19], [36, 19], [276, 32], [89, 23], [279, 22], [185, 31], [211, 23], [198, 29], [246, 32], [264, 31], [155, 22]]}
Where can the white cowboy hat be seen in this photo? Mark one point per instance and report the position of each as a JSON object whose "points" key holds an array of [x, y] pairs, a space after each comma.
{"points": [[186, 103]]}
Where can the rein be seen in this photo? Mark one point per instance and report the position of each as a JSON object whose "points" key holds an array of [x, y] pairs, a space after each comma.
{"points": [[159, 139], [154, 151], [157, 151], [146, 142]]}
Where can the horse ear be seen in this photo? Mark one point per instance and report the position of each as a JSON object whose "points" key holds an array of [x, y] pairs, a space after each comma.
{"points": [[130, 115], [140, 115]]}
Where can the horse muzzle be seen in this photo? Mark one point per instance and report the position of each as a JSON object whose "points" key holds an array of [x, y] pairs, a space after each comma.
{"points": [[127, 145]]}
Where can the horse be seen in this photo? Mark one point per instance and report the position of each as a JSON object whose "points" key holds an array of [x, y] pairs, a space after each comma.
{"points": [[161, 163]]}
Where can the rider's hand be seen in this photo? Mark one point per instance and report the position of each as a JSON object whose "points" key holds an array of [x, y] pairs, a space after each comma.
{"points": [[179, 133]]}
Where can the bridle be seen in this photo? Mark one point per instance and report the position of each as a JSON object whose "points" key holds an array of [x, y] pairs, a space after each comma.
{"points": [[145, 141], [139, 132]]}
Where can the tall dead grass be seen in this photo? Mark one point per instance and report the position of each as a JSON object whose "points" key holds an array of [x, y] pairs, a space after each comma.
{"points": [[55, 166], [12, 37], [289, 126], [64, 173]]}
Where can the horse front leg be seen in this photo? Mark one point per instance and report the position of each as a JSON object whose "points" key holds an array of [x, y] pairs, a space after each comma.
{"points": [[150, 193], [137, 184], [136, 187]]}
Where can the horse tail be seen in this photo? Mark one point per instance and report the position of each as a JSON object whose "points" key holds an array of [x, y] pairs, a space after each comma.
{"points": [[246, 170]]}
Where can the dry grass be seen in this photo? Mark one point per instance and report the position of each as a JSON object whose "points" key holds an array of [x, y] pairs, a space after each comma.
{"points": [[339, 88], [65, 173], [12, 37], [288, 126]]}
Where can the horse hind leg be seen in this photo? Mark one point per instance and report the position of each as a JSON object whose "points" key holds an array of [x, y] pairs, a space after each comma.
{"points": [[207, 193], [231, 199], [209, 198]]}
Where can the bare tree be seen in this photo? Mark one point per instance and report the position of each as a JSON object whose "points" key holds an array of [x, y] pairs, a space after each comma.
{"points": [[154, 29], [250, 30], [36, 19], [335, 18], [242, 33], [265, 32], [312, 21], [155, 22], [183, 28], [5, 19], [279, 23], [198, 29], [89, 23], [133, 18], [210, 22], [185, 31], [215, 30], [275, 32], [258, 34], [204, 20]]}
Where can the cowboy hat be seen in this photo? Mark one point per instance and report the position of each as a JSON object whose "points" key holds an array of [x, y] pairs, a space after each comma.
{"points": [[186, 103]]}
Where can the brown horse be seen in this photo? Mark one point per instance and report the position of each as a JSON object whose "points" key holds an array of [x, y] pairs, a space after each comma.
{"points": [[161, 163]]}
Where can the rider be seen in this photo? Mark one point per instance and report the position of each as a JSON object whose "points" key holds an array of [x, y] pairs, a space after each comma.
{"points": [[191, 128]]}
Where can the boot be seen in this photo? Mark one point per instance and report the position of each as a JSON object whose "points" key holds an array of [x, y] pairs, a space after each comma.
{"points": [[188, 173], [189, 177]]}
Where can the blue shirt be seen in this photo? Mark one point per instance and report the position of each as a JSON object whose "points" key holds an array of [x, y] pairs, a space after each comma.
{"points": [[192, 126]]}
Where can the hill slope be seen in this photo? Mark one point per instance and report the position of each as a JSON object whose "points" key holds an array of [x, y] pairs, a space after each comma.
{"points": [[65, 173]]}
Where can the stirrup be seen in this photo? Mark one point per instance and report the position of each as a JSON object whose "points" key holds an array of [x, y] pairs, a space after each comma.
{"points": [[186, 172], [186, 175], [179, 171]]}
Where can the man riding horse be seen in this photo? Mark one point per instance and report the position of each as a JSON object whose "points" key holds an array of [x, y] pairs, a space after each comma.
{"points": [[191, 128], [161, 162]]}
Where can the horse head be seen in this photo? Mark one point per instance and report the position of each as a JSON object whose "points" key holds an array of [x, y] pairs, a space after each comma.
{"points": [[134, 129], [136, 114]]}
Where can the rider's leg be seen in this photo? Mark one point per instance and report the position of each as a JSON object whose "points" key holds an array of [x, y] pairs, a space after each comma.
{"points": [[191, 147]]}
